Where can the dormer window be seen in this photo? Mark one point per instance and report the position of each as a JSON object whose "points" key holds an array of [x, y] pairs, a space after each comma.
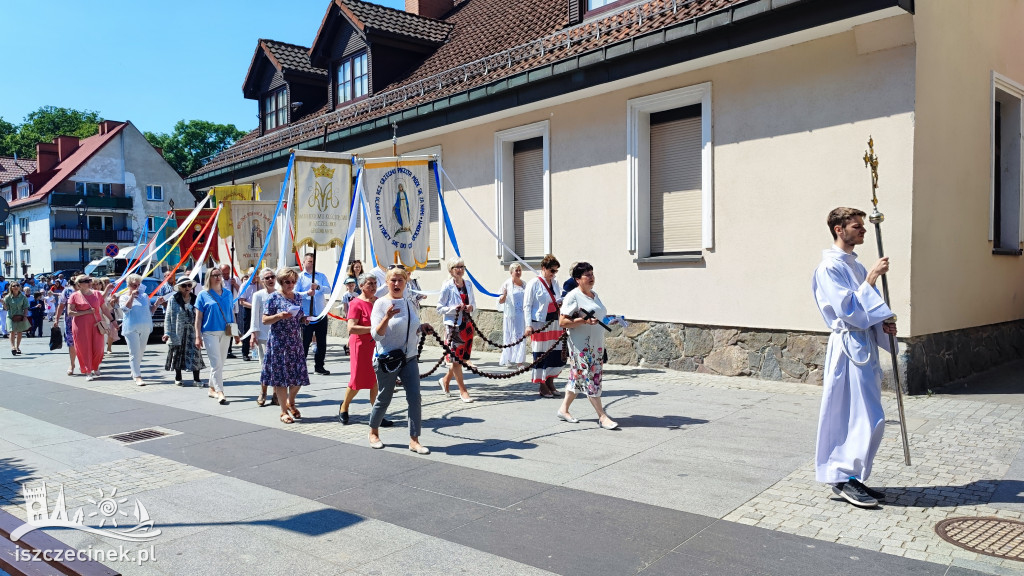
{"points": [[275, 109], [353, 77]]}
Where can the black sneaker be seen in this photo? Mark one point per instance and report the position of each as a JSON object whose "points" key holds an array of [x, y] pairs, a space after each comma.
{"points": [[231, 356], [854, 495], [876, 494], [343, 416], [385, 423], [247, 358], [323, 371]]}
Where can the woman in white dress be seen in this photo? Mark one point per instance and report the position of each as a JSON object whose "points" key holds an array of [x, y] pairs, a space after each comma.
{"points": [[581, 309], [515, 320]]}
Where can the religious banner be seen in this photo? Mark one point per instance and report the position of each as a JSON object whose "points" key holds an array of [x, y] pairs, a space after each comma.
{"points": [[323, 194], [399, 208], [193, 234], [225, 195], [252, 222]]}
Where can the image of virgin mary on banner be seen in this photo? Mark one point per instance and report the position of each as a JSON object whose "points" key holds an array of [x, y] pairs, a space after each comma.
{"points": [[323, 196], [398, 208], [251, 222]]}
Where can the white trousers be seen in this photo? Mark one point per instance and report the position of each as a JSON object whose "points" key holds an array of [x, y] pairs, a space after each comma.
{"points": [[136, 350], [3, 321], [216, 344]]}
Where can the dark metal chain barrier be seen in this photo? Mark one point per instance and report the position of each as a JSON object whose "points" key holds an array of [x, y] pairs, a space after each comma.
{"points": [[496, 345], [477, 371]]}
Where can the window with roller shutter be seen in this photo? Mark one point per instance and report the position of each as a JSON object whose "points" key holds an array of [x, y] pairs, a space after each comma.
{"points": [[528, 200], [675, 208]]}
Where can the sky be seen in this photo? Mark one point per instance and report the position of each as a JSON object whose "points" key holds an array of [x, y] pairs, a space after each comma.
{"points": [[151, 62]]}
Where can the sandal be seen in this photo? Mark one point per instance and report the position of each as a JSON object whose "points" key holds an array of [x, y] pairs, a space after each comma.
{"points": [[287, 419], [262, 400], [296, 414], [544, 393]]}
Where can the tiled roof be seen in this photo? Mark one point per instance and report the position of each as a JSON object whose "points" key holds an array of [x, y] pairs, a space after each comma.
{"points": [[70, 165], [291, 57], [386, 19], [15, 168], [482, 31]]}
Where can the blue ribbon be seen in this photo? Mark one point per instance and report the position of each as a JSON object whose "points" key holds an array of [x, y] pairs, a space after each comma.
{"points": [[266, 241], [451, 236]]}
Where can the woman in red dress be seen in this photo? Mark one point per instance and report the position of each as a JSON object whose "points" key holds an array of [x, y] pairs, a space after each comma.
{"points": [[361, 345], [84, 308]]}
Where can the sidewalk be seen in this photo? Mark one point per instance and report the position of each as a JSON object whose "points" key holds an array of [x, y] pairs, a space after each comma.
{"points": [[707, 475]]}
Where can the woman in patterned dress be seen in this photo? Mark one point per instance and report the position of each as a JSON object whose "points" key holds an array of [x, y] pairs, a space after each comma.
{"points": [[180, 334], [284, 368], [62, 307], [586, 345], [540, 306], [455, 304]]}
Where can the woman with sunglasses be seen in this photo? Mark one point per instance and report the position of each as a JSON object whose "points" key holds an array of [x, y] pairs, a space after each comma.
{"points": [[260, 331], [395, 326], [455, 304], [138, 323], [361, 375], [284, 368], [17, 306], [540, 306], [180, 334], [214, 329], [84, 307], [62, 307]]}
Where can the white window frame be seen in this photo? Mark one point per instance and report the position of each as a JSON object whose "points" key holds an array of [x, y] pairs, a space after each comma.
{"points": [[23, 225], [150, 223], [151, 191], [26, 257], [1015, 89], [504, 187], [6, 193], [24, 190], [638, 167]]}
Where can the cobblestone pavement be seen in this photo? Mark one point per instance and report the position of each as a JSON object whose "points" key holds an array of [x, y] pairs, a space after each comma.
{"points": [[963, 449]]}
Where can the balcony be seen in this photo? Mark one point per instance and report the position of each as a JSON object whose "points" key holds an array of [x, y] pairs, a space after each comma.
{"points": [[76, 235], [108, 202]]}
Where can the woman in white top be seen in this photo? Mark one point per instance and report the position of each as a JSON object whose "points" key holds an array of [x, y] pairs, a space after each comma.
{"points": [[395, 325], [260, 331], [137, 311], [455, 304], [514, 321], [579, 314], [540, 306]]}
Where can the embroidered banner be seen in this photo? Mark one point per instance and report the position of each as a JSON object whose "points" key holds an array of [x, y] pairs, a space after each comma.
{"points": [[225, 195], [252, 222], [323, 192], [194, 232], [399, 208]]}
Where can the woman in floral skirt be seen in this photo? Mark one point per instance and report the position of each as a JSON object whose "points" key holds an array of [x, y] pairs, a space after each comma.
{"points": [[284, 368], [180, 334], [581, 309]]}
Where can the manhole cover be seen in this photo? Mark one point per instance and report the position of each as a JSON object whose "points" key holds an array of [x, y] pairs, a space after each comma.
{"points": [[990, 536], [141, 435]]}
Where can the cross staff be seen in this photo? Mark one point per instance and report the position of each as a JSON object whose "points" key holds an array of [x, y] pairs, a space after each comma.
{"points": [[876, 218]]}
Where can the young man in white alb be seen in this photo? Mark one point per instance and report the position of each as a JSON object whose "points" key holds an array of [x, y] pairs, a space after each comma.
{"points": [[852, 420]]}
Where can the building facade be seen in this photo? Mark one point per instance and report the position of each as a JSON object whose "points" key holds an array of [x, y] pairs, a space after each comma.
{"points": [[691, 151], [84, 195]]}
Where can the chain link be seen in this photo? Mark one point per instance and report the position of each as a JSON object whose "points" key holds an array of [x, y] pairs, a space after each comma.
{"points": [[477, 371], [525, 336]]}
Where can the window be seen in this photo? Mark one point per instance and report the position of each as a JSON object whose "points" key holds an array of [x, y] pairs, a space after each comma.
{"points": [[9, 257], [23, 225], [353, 78], [156, 193], [669, 155], [275, 109], [24, 190], [101, 222], [26, 259], [523, 182], [6, 193], [92, 188], [1005, 203], [592, 4], [151, 224]]}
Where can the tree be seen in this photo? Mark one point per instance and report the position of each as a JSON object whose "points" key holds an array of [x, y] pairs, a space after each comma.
{"points": [[193, 142], [43, 125]]}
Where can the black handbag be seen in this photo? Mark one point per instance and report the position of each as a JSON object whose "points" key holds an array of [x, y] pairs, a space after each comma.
{"points": [[393, 361], [56, 338]]}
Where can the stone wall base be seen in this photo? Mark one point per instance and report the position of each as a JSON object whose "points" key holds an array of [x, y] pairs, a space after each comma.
{"points": [[925, 362]]}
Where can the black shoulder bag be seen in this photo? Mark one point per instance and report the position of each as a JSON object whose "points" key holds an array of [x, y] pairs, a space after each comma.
{"points": [[393, 361]]}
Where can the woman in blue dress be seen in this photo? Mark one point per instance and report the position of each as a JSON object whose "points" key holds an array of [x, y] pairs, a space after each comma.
{"points": [[284, 367]]}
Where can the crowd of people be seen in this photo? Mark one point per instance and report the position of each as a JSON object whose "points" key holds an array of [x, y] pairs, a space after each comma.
{"points": [[276, 316]]}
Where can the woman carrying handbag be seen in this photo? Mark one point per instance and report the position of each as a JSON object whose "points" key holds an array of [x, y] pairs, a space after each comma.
{"points": [[89, 327]]}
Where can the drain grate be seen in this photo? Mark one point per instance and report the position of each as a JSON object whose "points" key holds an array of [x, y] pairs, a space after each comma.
{"points": [[139, 435], [997, 537]]}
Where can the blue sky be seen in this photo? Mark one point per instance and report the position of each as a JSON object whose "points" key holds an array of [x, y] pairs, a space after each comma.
{"points": [[151, 62]]}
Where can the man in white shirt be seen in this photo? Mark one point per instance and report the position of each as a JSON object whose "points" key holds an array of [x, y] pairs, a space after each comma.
{"points": [[852, 420], [314, 291]]}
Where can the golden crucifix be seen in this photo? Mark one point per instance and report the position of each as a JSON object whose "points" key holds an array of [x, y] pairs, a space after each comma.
{"points": [[871, 161]]}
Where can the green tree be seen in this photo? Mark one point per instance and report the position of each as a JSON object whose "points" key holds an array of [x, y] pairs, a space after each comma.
{"points": [[192, 142], [43, 125], [8, 138]]}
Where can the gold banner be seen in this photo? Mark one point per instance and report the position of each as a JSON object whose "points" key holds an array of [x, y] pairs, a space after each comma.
{"points": [[323, 196], [224, 195]]}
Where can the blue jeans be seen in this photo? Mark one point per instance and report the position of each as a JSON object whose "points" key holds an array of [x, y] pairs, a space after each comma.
{"points": [[410, 375]]}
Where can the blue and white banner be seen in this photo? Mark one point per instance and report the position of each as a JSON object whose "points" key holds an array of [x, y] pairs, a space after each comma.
{"points": [[396, 191]]}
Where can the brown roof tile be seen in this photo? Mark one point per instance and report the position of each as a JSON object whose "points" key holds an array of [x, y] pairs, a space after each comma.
{"points": [[490, 40], [15, 168], [386, 19], [291, 57]]}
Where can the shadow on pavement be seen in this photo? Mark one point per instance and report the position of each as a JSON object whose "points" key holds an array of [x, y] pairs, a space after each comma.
{"points": [[14, 471], [975, 493], [670, 422]]}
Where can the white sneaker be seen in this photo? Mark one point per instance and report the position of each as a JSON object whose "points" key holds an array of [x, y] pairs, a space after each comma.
{"points": [[91, 376]]}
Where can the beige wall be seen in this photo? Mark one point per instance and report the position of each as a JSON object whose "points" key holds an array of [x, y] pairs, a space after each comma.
{"points": [[790, 128], [957, 281]]}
